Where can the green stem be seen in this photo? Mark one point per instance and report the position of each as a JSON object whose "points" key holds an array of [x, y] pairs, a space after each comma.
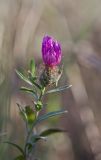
{"points": [[31, 130], [42, 93]]}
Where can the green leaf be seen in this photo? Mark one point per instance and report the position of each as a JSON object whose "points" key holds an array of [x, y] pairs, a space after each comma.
{"points": [[49, 115], [16, 146], [44, 134], [23, 77], [35, 84], [30, 81], [20, 157], [30, 115], [28, 90], [51, 131], [22, 112], [58, 89], [32, 67]]}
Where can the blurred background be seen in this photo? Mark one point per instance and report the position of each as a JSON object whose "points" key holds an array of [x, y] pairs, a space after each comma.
{"points": [[76, 24]]}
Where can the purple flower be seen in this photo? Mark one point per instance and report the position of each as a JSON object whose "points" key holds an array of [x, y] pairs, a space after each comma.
{"points": [[51, 51]]}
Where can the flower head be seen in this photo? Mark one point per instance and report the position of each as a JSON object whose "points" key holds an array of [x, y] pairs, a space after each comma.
{"points": [[51, 51]]}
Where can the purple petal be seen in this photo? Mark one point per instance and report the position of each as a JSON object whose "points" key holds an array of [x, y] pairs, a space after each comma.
{"points": [[51, 51]]}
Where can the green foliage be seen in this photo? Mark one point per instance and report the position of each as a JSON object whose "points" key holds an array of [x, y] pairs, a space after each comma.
{"points": [[28, 79], [22, 112], [16, 146], [29, 91], [30, 114], [49, 115], [32, 67], [42, 136], [59, 89], [51, 131], [26, 90], [23, 77]]}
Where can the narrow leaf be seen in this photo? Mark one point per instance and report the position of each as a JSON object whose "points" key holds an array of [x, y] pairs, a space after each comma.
{"points": [[35, 84], [28, 90], [58, 89], [23, 77], [51, 131], [30, 81], [22, 112], [44, 134], [16, 146], [49, 115], [32, 67]]}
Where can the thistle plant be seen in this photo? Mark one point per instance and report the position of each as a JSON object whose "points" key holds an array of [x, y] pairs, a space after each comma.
{"points": [[38, 88]]}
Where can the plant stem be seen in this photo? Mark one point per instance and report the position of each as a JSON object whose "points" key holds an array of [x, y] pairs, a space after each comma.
{"points": [[31, 130]]}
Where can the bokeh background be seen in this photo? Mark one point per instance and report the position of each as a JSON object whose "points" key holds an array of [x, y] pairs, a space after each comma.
{"points": [[76, 24]]}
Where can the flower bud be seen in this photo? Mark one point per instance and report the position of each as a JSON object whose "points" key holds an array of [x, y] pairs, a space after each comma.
{"points": [[51, 51]]}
